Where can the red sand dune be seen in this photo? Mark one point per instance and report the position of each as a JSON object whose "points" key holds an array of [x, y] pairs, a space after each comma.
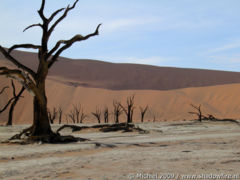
{"points": [[98, 74], [168, 91]]}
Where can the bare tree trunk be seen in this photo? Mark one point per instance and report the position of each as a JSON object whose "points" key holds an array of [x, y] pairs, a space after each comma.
{"points": [[143, 112], [106, 114], [41, 124], [60, 111]]}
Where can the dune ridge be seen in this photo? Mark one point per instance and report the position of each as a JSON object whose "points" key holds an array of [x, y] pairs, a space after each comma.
{"points": [[112, 76], [86, 82]]}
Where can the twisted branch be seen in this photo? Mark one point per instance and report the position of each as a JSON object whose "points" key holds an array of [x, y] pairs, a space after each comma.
{"points": [[33, 25], [27, 46], [55, 13], [69, 43], [62, 17], [21, 77], [17, 63]]}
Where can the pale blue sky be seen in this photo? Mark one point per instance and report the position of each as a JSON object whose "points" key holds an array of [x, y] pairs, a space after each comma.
{"points": [[177, 33]]}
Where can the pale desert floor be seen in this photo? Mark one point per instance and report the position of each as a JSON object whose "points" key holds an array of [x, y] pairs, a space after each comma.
{"points": [[171, 148]]}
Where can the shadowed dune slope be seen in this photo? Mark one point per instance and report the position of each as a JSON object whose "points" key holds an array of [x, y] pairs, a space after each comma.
{"points": [[98, 74]]}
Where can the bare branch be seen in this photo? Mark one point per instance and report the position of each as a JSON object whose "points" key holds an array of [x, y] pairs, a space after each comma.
{"points": [[62, 17], [17, 63], [3, 89], [27, 46], [40, 11], [21, 77], [72, 116], [193, 113], [97, 114], [6, 106], [8, 72], [52, 115], [14, 89], [129, 109], [199, 113], [55, 13], [69, 43], [33, 25]]}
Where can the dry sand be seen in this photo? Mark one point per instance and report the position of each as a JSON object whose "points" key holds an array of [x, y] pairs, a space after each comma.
{"points": [[70, 82], [175, 149], [222, 101]]}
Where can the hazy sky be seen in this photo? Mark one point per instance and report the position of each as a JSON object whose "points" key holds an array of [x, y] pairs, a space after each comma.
{"points": [[179, 33]]}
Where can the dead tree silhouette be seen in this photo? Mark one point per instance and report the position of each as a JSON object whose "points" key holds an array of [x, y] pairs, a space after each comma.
{"points": [[12, 102], [33, 81], [9, 101], [198, 113], [143, 112], [97, 114], [60, 112], [52, 115], [106, 115], [129, 109], [117, 111], [77, 114]]}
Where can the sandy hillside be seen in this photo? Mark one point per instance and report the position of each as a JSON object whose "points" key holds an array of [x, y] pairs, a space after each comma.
{"points": [[112, 76], [170, 151], [221, 101], [96, 84]]}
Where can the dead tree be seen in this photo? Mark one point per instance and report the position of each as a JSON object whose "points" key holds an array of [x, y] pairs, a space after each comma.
{"points": [[12, 102], [117, 111], [97, 114], [143, 112], [77, 114], [77, 109], [106, 115], [129, 109], [52, 115], [72, 116], [198, 113], [60, 111], [82, 116], [34, 81]]}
